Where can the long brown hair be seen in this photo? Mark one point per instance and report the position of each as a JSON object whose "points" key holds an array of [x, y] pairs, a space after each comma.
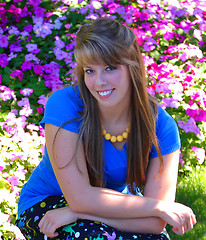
{"points": [[106, 40]]}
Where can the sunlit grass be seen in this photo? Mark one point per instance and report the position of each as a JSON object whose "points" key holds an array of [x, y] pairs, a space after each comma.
{"points": [[191, 191]]}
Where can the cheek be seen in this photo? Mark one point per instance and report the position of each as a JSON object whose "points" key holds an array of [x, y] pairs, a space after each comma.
{"points": [[89, 83]]}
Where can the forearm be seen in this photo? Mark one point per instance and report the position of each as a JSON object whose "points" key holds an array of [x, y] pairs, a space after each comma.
{"points": [[107, 203], [152, 225]]}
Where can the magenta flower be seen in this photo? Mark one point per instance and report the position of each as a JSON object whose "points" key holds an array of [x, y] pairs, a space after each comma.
{"points": [[40, 110], [26, 92], [3, 60], [38, 69], [199, 153], [4, 41], [17, 73]]}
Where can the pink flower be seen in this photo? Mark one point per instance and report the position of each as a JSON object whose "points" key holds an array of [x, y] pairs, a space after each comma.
{"points": [[4, 41], [3, 60], [38, 69], [6, 93], [199, 153], [42, 100], [189, 126], [26, 111], [17, 73], [14, 180], [23, 102], [26, 92]]}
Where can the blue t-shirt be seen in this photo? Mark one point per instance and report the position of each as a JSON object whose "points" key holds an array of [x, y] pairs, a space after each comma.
{"points": [[64, 105]]}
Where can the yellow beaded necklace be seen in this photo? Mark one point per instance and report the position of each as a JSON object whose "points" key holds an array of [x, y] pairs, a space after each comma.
{"points": [[114, 139]]}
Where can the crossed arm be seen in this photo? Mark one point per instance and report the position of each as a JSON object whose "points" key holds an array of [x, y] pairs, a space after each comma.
{"points": [[148, 214]]}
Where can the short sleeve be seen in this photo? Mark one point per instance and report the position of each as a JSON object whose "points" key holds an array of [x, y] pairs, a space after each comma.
{"points": [[63, 109], [167, 134]]}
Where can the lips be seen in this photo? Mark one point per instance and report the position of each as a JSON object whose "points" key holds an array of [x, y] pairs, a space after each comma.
{"points": [[105, 93]]}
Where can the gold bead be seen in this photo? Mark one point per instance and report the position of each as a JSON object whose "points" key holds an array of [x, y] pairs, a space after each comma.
{"points": [[119, 138], [125, 135], [127, 129], [104, 132], [107, 136], [113, 139]]}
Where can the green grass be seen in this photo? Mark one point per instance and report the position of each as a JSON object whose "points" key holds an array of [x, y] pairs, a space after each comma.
{"points": [[191, 191]]}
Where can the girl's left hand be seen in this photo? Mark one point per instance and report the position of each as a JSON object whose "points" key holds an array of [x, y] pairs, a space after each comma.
{"points": [[56, 218]]}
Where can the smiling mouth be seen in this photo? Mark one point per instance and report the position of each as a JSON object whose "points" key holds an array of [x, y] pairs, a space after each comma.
{"points": [[105, 93]]}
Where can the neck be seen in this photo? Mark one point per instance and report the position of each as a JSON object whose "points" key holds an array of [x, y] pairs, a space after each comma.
{"points": [[115, 115]]}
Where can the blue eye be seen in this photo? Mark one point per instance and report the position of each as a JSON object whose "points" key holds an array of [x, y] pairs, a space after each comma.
{"points": [[89, 71], [110, 68]]}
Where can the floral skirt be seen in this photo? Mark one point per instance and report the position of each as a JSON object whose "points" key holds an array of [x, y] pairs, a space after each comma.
{"points": [[81, 229]]}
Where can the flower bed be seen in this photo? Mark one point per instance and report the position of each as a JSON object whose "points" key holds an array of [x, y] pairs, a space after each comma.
{"points": [[37, 39]]}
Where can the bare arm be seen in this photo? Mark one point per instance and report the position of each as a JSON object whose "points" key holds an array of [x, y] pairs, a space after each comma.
{"points": [[108, 203]]}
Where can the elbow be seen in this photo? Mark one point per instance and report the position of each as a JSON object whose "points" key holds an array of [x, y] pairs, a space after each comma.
{"points": [[158, 226], [80, 203]]}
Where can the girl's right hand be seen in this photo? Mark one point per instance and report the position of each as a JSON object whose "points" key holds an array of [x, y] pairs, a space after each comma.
{"points": [[177, 215], [56, 218]]}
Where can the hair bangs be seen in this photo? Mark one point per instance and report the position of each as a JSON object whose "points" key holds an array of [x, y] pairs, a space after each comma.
{"points": [[96, 52]]}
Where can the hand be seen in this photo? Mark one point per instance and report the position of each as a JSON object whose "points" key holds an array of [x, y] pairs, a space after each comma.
{"points": [[179, 216], [56, 218]]}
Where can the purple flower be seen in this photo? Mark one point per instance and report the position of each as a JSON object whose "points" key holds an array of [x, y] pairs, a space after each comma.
{"points": [[15, 47], [26, 92], [59, 43], [38, 69], [26, 66], [17, 73], [39, 12], [28, 28], [31, 57], [13, 30], [4, 41], [60, 55], [30, 47], [149, 45], [3, 60]]}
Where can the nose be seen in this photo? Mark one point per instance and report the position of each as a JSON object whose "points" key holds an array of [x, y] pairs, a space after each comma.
{"points": [[100, 78]]}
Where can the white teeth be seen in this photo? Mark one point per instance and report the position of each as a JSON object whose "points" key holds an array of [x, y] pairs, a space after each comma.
{"points": [[105, 93]]}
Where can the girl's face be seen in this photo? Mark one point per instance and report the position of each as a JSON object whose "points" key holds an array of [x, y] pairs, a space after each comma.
{"points": [[110, 85]]}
